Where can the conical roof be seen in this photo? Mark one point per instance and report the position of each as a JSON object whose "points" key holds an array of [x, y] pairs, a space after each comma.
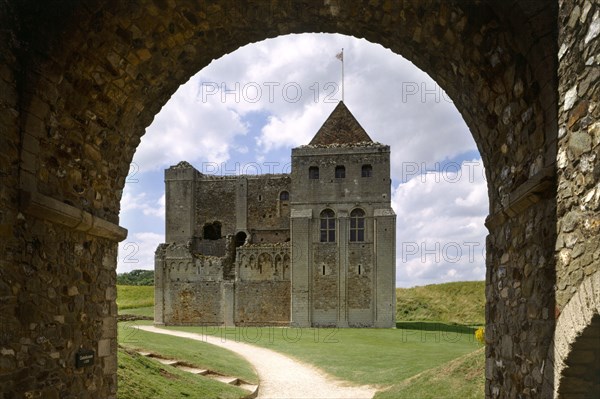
{"points": [[340, 128]]}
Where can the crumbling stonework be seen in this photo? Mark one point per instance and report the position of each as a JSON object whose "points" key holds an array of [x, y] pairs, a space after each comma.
{"points": [[80, 82]]}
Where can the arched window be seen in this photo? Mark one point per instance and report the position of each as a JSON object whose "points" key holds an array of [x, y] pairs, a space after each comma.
{"points": [[327, 226], [340, 172], [357, 225], [366, 171], [313, 172], [284, 196]]}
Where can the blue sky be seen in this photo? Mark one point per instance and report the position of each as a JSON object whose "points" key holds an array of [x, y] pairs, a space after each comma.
{"points": [[245, 111]]}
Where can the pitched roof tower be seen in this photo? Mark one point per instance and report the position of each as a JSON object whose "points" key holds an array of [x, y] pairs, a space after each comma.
{"points": [[341, 127]]}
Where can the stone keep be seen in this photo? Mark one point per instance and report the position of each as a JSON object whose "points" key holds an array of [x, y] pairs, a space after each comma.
{"points": [[312, 248]]}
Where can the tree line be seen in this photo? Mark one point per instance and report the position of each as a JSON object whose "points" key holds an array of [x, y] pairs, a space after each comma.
{"points": [[136, 277]]}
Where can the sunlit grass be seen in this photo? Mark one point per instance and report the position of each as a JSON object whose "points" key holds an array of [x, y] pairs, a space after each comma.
{"points": [[134, 296]]}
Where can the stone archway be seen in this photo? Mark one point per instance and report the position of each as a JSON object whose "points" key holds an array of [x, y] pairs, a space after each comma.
{"points": [[79, 84], [574, 361]]}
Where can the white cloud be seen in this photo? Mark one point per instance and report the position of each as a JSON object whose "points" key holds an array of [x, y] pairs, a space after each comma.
{"points": [[137, 252], [397, 103], [188, 129], [292, 129], [131, 201], [440, 230]]}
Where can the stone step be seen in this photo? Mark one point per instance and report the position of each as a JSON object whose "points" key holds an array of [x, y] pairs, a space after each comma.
{"points": [[253, 389], [193, 370], [167, 362], [224, 379]]}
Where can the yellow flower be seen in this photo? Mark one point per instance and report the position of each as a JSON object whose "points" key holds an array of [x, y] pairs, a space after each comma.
{"points": [[480, 335]]}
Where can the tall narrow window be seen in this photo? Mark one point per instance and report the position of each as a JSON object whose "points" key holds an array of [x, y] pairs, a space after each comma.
{"points": [[327, 226], [340, 172], [357, 225], [367, 171], [313, 172], [284, 196]]}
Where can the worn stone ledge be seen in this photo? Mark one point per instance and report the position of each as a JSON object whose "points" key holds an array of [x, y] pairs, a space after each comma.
{"points": [[47, 208], [527, 194]]}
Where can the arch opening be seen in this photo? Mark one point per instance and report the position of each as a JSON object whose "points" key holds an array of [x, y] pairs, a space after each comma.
{"points": [[94, 92]]}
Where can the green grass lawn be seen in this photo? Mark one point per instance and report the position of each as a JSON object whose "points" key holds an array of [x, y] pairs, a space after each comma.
{"points": [[461, 378], [134, 296], [193, 352], [146, 311], [379, 357], [411, 362], [458, 303], [143, 378]]}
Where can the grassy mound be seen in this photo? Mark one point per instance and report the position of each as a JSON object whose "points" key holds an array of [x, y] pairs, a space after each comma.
{"points": [[142, 378], [461, 378], [455, 303], [134, 296]]}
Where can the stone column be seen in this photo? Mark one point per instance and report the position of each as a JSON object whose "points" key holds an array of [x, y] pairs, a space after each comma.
{"points": [[385, 267], [180, 190], [577, 249], [228, 302], [301, 238], [342, 242], [241, 205]]}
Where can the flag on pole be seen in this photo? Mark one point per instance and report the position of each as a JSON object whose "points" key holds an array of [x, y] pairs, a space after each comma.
{"points": [[340, 55]]}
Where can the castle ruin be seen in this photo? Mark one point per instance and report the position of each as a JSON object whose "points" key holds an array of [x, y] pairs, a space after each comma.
{"points": [[312, 248]]}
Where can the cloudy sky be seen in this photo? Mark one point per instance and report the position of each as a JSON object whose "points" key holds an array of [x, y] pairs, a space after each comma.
{"points": [[245, 111]]}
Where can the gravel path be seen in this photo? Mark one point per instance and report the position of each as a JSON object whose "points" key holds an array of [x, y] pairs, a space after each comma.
{"points": [[281, 377]]}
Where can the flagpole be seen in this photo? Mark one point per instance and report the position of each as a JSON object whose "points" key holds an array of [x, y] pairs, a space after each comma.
{"points": [[340, 56], [342, 74]]}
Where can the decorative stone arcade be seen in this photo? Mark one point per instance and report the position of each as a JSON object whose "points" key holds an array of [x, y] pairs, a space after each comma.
{"points": [[80, 82]]}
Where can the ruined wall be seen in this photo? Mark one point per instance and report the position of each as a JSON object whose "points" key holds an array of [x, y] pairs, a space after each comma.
{"points": [[263, 262], [215, 201], [246, 203], [192, 291], [262, 303], [262, 286], [194, 303], [268, 217], [190, 285], [180, 188]]}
